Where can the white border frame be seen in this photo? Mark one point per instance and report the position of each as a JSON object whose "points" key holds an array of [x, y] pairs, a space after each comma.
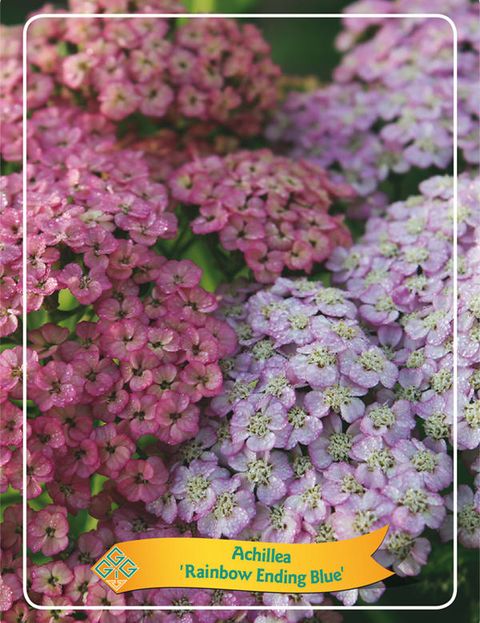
{"points": [[440, 16]]}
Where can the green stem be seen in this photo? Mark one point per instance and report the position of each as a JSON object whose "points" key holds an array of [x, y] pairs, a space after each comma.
{"points": [[185, 247], [180, 245]]}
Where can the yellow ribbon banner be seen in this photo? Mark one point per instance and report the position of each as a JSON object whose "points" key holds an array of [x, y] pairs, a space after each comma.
{"points": [[243, 565]]}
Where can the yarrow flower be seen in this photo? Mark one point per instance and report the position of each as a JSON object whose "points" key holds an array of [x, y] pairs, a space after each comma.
{"points": [[11, 91], [390, 106], [272, 209], [97, 395], [304, 448], [207, 72], [145, 372], [139, 350], [333, 419], [401, 276], [297, 411], [82, 193]]}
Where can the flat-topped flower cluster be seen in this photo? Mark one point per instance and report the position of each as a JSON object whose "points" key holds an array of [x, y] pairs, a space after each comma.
{"points": [[400, 275], [316, 430], [93, 214], [272, 209], [390, 105], [206, 72]]}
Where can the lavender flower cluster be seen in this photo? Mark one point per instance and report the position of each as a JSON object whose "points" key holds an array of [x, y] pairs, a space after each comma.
{"points": [[314, 431], [390, 107], [400, 275]]}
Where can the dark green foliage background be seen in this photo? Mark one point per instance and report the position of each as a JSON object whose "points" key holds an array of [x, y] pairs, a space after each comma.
{"points": [[305, 46]]}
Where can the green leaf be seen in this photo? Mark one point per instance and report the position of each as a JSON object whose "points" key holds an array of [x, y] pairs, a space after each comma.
{"points": [[219, 6], [146, 440], [39, 559], [236, 6], [200, 6], [7, 346], [66, 301], [40, 502], [36, 319], [81, 522], [9, 498], [62, 48], [97, 483], [324, 277], [8, 168], [71, 322], [201, 254]]}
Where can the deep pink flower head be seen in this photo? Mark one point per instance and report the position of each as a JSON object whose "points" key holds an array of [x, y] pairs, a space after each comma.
{"points": [[48, 530], [177, 419], [55, 385], [49, 579], [11, 241], [272, 209], [142, 480], [205, 71], [11, 92], [82, 197]]}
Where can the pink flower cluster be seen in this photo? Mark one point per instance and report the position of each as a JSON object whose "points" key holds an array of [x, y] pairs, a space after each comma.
{"points": [[108, 401], [45, 49], [390, 107], [139, 370], [166, 150], [10, 252], [142, 351], [11, 92], [212, 73], [275, 211], [91, 206], [211, 70]]}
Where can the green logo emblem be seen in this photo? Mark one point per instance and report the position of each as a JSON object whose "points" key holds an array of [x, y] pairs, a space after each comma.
{"points": [[115, 568]]}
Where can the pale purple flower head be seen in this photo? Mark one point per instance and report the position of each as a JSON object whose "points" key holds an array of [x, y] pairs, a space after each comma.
{"points": [[390, 106]]}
